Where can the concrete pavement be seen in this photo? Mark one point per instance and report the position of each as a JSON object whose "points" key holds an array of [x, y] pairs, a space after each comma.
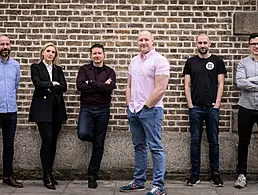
{"points": [[35, 187]]}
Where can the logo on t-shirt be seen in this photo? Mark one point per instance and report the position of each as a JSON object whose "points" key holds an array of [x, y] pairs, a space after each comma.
{"points": [[209, 65]]}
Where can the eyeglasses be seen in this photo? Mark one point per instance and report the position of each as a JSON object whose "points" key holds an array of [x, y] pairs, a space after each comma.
{"points": [[254, 44]]}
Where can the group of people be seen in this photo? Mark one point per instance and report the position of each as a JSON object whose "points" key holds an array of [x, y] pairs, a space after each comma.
{"points": [[147, 81]]}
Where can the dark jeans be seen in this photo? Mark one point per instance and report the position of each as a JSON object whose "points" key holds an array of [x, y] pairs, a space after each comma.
{"points": [[49, 133], [92, 126], [8, 123], [246, 120], [211, 117]]}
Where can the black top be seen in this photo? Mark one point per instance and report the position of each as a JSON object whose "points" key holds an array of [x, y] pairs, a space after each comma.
{"points": [[96, 93], [204, 78]]}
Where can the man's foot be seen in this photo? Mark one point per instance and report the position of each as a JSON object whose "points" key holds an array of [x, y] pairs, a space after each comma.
{"points": [[132, 187], [156, 191], [240, 182], [216, 180], [10, 181], [92, 183], [193, 180]]}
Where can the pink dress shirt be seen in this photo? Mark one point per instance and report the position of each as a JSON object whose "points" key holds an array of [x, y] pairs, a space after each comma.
{"points": [[143, 72]]}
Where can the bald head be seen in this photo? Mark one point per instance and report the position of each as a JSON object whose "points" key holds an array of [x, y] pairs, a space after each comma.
{"points": [[146, 33], [203, 44], [145, 41], [202, 35]]}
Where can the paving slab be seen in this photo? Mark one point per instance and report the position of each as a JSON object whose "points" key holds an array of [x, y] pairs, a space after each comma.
{"points": [[37, 187], [80, 187]]}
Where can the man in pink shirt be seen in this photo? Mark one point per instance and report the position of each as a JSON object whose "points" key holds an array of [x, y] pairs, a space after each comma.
{"points": [[146, 86]]}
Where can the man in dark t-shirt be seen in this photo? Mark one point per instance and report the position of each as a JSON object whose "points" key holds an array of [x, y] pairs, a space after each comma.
{"points": [[204, 82]]}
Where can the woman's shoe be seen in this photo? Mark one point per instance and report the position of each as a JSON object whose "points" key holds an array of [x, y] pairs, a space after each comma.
{"points": [[53, 179], [48, 183]]}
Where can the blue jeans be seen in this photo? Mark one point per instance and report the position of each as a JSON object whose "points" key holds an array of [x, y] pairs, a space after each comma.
{"points": [[211, 117], [92, 126], [8, 122], [145, 127]]}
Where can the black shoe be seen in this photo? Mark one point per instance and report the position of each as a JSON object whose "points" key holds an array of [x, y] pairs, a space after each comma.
{"points": [[92, 183], [216, 180], [48, 183], [10, 181], [53, 179], [193, 180]]}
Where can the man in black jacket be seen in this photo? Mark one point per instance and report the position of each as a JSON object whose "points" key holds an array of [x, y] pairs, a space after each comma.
{"points": [[95, 81]]}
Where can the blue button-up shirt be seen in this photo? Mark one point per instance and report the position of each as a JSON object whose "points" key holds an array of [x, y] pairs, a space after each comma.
{"points": [[9, 82]]}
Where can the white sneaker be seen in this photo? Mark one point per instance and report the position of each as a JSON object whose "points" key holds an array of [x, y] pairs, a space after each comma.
{"points": [[240, 182]]}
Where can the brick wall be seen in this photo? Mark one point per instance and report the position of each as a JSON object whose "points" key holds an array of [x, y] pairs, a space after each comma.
{"points": [[74, 25]]}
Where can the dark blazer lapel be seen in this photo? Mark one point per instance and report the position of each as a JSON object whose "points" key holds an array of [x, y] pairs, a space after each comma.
{"points": [[55, 74], [44, 70]]}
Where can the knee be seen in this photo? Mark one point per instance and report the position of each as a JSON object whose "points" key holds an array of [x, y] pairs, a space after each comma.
{"points": [[85, 136]]}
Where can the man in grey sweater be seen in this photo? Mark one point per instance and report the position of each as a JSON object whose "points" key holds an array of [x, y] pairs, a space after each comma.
{"points": [[247, 81]]}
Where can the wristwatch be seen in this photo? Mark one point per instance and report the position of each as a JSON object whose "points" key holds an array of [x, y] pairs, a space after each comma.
{"points": [[146, 107]]}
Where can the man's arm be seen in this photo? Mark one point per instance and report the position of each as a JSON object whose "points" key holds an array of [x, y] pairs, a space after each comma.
{"points": [[108, 86], [188, 90], [81, 82], [17, 77], [221, 80], [128, 90], [242, 81], [161, 83]]}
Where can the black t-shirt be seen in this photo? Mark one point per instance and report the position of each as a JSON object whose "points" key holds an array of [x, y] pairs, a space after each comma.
{"points": [[204, 78]]}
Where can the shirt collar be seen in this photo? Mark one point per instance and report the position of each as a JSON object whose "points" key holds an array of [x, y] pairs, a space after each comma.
{"points": [[47, 65], [147, 55], [94, 67], [253, 58], [6, 60]]}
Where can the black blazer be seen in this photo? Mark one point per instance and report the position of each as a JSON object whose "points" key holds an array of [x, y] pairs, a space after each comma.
{"points": [[45, 92]]}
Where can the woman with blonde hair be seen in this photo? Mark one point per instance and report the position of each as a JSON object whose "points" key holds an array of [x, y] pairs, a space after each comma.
{"points": [[47, 107]]}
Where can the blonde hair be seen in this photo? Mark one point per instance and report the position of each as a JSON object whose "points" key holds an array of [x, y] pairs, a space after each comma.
{"points": [[56, 58]]}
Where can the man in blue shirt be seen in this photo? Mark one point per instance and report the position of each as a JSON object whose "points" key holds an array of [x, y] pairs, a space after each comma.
{"points": [[9, 81]]}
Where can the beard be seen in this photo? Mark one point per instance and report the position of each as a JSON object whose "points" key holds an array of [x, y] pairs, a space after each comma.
{"points": [[203, 51], [3, 52]]}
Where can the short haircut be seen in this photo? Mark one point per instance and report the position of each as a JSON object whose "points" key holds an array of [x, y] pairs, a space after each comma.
{"points": [[98, 46], [252, 36]]}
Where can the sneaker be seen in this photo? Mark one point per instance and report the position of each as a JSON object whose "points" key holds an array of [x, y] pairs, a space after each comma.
{"points": [[193, 180], [156, 191], [216, 180], [132, 187], [92, 183], [240, 182]]}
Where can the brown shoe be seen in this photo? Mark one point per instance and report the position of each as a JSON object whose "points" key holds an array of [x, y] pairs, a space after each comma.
{"points": [[10, 181]]}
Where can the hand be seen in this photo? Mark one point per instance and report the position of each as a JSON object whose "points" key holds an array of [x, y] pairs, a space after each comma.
{"points": [[190, 106], [108, 81], [55, 83], [216, 106]]}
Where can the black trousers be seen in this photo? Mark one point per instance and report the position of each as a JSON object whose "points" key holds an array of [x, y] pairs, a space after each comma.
{"points": [[246, 120], [49, 133], [8, 123]]}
